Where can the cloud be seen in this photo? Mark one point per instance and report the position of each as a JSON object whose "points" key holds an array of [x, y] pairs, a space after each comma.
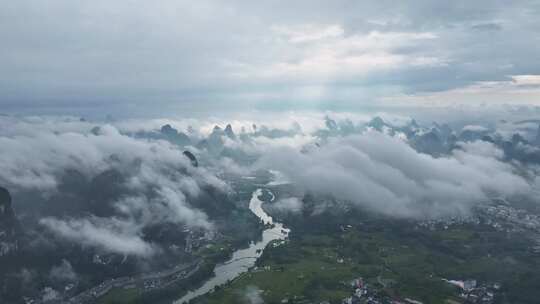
{"points": [[520, 89], [63, 272], [49, 294], [525, 80], [122, 233], [474, 128], [308, 33], [37, 160], [490, 26], [157, 185], [385, 175], [252, 295], [287, 205], [367, 169], [101, 56], [326, 54], [168, 206], [110, 235]]}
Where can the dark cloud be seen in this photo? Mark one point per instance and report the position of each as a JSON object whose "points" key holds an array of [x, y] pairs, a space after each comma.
{"points": [[125, 57]]}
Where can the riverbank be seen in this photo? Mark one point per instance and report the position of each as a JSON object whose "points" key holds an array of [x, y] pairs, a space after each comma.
{"points": [[242, 260]]}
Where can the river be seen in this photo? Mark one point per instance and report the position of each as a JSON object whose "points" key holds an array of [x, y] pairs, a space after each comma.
{"points": [[242, 259]]}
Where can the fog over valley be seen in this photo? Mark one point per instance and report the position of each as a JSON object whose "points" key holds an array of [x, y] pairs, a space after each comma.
{"points": [[102, 184]]}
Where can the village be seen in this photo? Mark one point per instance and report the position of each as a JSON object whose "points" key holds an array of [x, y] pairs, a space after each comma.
{"points": [[470, 293]]}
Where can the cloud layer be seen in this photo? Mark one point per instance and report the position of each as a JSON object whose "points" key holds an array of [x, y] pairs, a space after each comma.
{"points": [[111, 57], [140, 178], [384, 174], [154, 183]]}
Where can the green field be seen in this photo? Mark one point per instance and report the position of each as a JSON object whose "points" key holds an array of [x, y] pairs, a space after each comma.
{"points": [[398, 261], [121, 296]]}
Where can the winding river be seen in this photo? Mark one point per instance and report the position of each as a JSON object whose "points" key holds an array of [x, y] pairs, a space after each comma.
{"points": [[242, 259]]}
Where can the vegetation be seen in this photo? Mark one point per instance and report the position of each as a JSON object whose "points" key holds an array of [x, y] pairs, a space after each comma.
{"points": [[396, 258]]}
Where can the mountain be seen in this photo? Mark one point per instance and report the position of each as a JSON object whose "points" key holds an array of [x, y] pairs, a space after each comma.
{"points": [[411, 129], [229, 132], [6, 211], [214, 142], [330, 124], [472, 133], [537, 138], [8, 225], [518, 139], [172, 135], [217, 131], [377, 123], [429, 142], [192, 158]]}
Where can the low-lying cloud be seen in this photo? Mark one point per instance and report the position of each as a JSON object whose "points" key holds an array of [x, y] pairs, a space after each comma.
{"points": [[384, 174], [252, 295], [287, 205], [111, 235], [342, 158], [157, 182], [63, 272]]}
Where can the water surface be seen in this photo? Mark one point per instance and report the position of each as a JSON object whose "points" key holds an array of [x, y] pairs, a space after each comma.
{"points": [[242, 259]]}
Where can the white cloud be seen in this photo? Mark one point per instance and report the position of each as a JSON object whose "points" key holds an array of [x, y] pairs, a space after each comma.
{"points": [[108, 234], [370, 170], [289, 204], [101, 56], [524, 80], [520, 90], [36, 155], [309, 32], [63, 272], [474, 128], [384, 174], [252, 295], [328, 54]]}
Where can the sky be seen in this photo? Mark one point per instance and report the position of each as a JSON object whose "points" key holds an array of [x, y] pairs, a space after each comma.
{"points": [[205, 55]]}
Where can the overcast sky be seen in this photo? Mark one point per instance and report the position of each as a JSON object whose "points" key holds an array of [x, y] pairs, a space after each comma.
{"points": [[277, 54]]}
